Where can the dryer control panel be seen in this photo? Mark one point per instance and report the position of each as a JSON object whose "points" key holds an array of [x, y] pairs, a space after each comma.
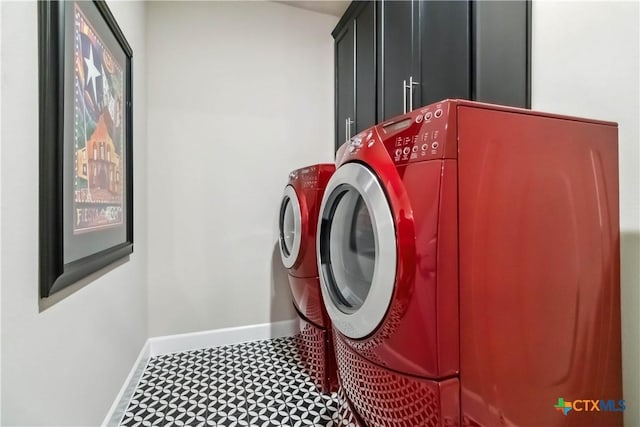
{"points": [[307, 177], [312, 177], [422, 134]]}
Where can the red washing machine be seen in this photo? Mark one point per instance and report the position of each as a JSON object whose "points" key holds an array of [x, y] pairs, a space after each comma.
{"points": [[469, 261], [298, 225]]}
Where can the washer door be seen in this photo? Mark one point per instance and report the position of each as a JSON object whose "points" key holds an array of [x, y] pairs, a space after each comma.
{"points": [[290, 223], [356, 250]]}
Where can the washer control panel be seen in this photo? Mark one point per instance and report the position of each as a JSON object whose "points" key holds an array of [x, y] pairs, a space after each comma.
{"points": [[305, 177], [312, 177], [309, 177], [418, 135]]}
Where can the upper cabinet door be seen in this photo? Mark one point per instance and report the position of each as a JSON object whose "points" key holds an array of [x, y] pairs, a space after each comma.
{"points": [[444, 52], [397, 60], [502, 52], [345, 82], [365, 23], [355, 42]]}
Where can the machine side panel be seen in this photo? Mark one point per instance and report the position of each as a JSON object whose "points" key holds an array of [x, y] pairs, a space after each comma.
{"points": [[539, 270]]}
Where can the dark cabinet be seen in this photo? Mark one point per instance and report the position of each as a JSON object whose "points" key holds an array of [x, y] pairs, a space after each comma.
{"points": [[397, 66], [365, 80], [345, 82], [355, 59], [407, 54], [444, 51], [425, 54], [502, 52]]}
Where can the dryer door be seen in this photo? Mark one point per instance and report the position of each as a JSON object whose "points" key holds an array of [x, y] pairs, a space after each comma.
{"points": [[290, 223], [356, 249]]}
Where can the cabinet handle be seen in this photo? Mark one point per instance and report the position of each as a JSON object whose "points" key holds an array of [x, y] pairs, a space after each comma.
{"points": [[409, 87], [404, 97], [347, 128]]}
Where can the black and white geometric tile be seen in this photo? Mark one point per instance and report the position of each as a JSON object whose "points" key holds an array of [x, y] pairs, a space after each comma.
{"points": [[260, 383]]}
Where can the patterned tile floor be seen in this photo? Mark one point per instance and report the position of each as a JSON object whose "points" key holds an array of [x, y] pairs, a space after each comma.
{"points": [[260, 383]]}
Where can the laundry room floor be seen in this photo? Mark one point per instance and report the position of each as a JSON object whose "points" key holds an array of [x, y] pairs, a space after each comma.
{"points": [[260, 383]]}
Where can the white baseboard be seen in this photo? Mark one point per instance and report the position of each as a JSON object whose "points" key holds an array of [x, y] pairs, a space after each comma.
{"points": [[116, 412], [192, 341], [219, 337]]}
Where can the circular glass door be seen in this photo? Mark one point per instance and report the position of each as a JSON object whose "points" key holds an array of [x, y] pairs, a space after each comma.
{"points": [[352, 247], [356, 250], [290, 227]]}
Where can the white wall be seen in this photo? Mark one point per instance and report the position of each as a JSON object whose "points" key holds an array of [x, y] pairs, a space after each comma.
{"points": [[65, 365], [239, 94], [586, 63], [0, 214]]}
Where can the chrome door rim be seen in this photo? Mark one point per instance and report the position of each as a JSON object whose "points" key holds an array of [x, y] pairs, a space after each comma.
{"points": [[288, 260], [367, 318]]}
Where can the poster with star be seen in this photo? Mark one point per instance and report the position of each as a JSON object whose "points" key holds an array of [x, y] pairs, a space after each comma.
{"points": [[98, 130], [85, 141]]}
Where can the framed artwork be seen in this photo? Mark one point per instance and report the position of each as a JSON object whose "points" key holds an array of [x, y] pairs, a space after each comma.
{"points": [[86, 169]]}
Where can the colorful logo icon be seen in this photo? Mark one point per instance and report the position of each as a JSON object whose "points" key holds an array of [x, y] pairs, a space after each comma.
{"points": [[589, 405], [563, 406]]}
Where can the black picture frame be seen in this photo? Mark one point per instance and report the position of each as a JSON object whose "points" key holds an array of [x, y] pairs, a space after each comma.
{"points": [[85, 82]]}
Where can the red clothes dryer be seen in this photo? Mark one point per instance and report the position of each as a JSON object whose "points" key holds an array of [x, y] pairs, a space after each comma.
{"points": [[469, 261], [298, 226]]}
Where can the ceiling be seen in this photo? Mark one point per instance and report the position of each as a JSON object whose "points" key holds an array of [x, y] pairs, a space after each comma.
{"points": [[329, 7]]}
